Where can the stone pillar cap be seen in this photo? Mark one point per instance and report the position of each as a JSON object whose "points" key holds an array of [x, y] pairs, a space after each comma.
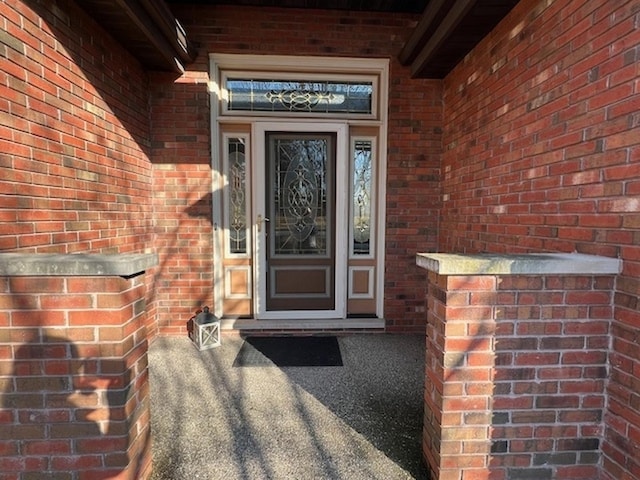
{"points": [[518, 264], [75, 264]]}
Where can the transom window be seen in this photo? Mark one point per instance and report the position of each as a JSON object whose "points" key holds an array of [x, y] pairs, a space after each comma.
{"points": [[257, 95], [292, 93]]}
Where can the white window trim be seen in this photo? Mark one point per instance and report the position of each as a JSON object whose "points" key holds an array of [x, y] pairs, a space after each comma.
{"points": [[329, 68]]}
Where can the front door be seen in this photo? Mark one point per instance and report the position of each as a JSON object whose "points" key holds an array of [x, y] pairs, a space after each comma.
{"points": [[300, 236], [301, 215]]}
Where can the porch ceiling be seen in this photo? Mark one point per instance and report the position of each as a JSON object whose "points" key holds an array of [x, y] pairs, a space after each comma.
{"points": [[147, 28], [446, 32]]}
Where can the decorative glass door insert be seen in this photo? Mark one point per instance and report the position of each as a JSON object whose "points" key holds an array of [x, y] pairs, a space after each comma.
{"points": [[236, 203], [362, 196], [300, 200]]}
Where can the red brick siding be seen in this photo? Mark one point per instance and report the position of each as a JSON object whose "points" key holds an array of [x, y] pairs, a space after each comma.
{"points": [[74, 391], [541, 154], [74, 177], [181, 141], [74, 135], [183, 239], [515, 376], [551, 345]]}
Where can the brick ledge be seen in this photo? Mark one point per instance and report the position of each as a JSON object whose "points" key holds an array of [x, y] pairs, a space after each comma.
{"points": [[75, 264], [518, 264]]}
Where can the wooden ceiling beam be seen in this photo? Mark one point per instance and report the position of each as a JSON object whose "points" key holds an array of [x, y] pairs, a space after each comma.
{"points": [[449, 30], [427, 24], [432, 37], [170, 27], [148, 29], [138, 15]]}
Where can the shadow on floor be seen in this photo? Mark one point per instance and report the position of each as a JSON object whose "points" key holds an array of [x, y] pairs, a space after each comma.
{"points": [[363, 420]]}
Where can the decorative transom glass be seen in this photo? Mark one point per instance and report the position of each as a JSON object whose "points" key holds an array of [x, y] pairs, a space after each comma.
{"points": [[295, 96]]}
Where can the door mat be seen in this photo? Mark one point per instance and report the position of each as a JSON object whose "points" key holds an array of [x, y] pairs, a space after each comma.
{"points": [[289, 352]]}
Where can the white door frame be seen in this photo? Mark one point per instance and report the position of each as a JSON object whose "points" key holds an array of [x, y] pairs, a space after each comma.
{"points": [[258, 194], [343, 67]]}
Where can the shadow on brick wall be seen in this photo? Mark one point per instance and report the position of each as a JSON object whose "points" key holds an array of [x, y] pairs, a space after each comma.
{"points": [[63, 412]]}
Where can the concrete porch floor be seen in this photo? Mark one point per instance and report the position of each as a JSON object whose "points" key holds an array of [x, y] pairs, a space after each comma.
{"points": [[363, 420]]}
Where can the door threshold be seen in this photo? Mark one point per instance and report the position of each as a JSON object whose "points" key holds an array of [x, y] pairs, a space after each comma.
{"points": [[297, 324]]}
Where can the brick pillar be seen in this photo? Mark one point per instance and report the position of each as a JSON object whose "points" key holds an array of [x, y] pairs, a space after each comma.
{"points": [[459, 375], [515, 373], [551, 347], [73, 376]]}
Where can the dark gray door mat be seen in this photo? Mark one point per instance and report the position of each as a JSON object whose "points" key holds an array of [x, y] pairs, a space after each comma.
{"points": [[321, 351]]}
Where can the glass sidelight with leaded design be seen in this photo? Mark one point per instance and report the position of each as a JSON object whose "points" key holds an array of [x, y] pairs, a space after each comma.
{"points": [[237, 258], [362, 225]]}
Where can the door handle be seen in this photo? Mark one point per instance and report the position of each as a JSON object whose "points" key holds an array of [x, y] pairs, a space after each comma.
{"points": [[260, 221]]}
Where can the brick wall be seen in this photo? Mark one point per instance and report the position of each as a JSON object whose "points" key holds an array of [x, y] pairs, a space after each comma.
{"points": [[515, 376], [74, 391], [541, 154], [74, 135], [181, 197], [74, 177], [181, 141]]}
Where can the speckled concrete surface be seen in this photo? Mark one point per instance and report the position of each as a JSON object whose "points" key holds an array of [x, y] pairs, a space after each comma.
{"points": [[363, 420]]}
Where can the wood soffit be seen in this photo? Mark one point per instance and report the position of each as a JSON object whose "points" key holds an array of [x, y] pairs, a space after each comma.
{"points": [[446, 31]]}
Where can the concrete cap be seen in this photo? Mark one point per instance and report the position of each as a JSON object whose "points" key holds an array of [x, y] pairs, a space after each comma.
{"points": [[75, 264], [518, 264]]}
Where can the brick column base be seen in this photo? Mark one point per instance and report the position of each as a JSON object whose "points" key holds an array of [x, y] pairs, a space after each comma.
{"points": [[515, 375], [74, 386]]}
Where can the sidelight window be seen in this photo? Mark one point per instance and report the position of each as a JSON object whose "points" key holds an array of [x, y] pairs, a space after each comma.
{"points": [[236, 197], [362, 182]]}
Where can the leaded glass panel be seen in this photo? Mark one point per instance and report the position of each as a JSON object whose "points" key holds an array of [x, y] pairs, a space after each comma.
{"points": [[362, 195], [295, 96], [237, 207], [299, 210]]}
